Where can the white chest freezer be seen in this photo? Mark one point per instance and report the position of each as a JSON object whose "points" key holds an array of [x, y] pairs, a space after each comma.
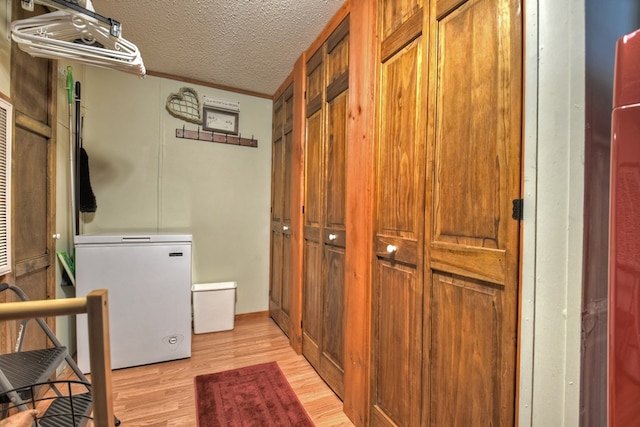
{"points": [[149, 282]]}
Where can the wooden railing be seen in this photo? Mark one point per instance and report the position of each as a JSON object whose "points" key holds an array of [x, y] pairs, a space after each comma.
{"points": [[95, 305]]}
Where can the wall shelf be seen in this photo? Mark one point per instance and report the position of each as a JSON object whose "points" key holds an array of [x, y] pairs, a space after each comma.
{"points": [[222, 138]]}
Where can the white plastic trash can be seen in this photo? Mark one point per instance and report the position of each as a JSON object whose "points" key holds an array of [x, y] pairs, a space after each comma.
{"points": [[214, 306]]}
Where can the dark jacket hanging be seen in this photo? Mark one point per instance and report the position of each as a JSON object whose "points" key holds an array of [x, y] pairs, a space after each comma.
{"points": [[87, 198]]}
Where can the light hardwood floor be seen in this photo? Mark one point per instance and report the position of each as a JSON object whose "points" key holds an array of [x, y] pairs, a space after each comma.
{"points": [[162, 394]]}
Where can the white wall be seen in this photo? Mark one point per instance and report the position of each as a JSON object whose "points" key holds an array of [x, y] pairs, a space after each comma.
{"points": [[553, 221], [147, 180], [66, 325]]}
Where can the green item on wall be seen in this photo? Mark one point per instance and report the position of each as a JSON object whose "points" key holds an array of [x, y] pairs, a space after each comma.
{"points": [[69, 268], [70, 84]]}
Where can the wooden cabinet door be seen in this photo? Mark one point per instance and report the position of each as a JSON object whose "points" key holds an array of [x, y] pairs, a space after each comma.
{"points": [[33, 92], [397, 294], [287, 131], [473, 247], [445, 287], [334, 230], [277, 207], [325, 230], [280, 280], [312, 290]]}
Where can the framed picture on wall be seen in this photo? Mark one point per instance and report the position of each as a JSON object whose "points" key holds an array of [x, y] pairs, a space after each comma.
{"points": [[217, 120]]}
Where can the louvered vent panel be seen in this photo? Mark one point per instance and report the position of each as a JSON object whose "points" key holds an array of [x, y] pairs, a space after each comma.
{"points": [[6, 123]]}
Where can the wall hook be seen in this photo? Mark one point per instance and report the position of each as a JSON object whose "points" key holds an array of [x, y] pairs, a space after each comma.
{"points": [[215, 137]]}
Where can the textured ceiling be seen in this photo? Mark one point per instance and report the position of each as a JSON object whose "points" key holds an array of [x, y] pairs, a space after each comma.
{"points": [[244, 44]]}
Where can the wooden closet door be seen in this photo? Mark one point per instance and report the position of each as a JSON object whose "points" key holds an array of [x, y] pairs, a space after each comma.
{"points": [[280, 281], [397, 294], [287, 213], [325, 218], [312, 287], [277, 208], [334, 230], [473, 250], [33, 93]]}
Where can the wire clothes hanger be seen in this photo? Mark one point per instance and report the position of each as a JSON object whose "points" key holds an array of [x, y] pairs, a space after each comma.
{"points": [[76, 35]]}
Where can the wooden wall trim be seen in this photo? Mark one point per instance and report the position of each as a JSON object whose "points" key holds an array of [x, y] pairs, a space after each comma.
{"points": [[363, 53], [208, 84]]}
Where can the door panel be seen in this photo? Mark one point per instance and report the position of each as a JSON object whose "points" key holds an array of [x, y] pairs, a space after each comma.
{"points": [[337, 112], [397, 297], [312, 303], [397, 345], [466, 364], [467, 199], [275, 291], [286, 281], [33, 283], [31, 230], [474, 243], [332, 355], [400, 155], [314, 175], [333, 347], [315, 82]]}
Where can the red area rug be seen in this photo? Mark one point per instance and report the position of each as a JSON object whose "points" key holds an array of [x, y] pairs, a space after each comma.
{"points": [[257, 395]]}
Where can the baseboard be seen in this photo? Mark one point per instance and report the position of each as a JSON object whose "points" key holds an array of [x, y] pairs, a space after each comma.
{"points": [[254, 315]]}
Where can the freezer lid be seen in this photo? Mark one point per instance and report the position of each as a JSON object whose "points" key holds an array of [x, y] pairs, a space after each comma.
{"points": [[97, 239]]}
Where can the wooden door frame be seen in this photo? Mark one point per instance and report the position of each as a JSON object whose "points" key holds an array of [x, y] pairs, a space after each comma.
{"points": [[361, 146]]}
